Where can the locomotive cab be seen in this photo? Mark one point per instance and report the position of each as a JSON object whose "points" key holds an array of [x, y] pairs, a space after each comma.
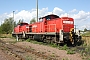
{"points": [[23, 27], [50, 17], [22, 24], [20, 30]]}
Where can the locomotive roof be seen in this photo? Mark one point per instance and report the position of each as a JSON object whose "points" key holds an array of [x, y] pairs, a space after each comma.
{"points": [[24, 23], [50, 15]]}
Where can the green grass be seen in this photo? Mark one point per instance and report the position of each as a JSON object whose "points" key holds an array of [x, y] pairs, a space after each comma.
{"points": [[86, 51], [5, 35], [41, 43], [35, 42], [70, 51], [65, 47], [86, 33]]}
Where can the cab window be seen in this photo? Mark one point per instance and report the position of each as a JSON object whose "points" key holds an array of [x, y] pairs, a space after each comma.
{"points": [[48, 18]]}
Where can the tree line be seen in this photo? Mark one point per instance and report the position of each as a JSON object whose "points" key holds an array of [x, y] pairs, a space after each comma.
{"points": [[8, 25]]}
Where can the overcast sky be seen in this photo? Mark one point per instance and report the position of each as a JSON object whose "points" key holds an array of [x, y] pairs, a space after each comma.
{"points": [[26, 10]]}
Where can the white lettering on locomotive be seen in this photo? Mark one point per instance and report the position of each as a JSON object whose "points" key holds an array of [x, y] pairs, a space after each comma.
{"points": [[34, 26], [27, 26], [68, 22]]}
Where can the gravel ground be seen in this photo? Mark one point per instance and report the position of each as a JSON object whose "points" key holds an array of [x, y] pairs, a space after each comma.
{"points": [[50, 51], [4, 56], [46, 50]]}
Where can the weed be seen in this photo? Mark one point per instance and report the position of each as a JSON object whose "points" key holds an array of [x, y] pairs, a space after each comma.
{"points": [[28, 40], [32, 48], [26, 47], [70, 52], [64, 47], [73, 49], [65, 59], [54, 45], [29, 58], [52, 55], [6, 48], [84, 44], [86, 49], [49, 51], [43, 52]]}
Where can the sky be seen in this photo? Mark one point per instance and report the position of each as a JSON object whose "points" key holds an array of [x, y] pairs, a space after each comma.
{"points": [[26, 10]]}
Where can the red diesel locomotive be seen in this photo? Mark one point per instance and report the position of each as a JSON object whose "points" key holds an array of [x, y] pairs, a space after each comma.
{"points": [[50, 28]]}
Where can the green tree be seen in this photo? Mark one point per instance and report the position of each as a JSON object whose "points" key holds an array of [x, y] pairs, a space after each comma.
{"points": [[0, 30], [20, 21], [32, 21], [7, 26], [15, 24], [85, 30]]}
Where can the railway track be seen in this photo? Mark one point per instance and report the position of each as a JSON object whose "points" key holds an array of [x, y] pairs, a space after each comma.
{"points": [[20, 53]]}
